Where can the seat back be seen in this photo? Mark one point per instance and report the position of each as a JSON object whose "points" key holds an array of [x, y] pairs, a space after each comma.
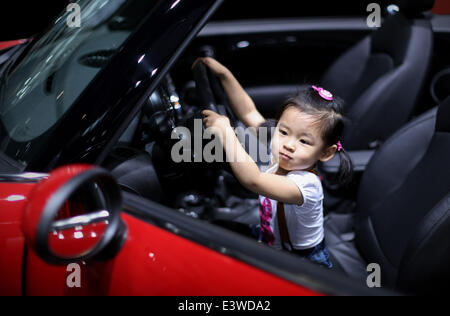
{"points": [[382, 76], [404, 205]]}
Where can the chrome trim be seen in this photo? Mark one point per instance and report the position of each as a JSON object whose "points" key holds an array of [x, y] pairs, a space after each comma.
{"points": [[27, 177], [81, 220]]}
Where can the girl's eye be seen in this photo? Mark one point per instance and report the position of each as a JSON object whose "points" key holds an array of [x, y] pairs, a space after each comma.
{"points": [[283, 132], [304, 141]]}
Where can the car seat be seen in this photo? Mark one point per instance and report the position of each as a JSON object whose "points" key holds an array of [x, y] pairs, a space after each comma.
{"points": [[381, 77], [402, 219]]}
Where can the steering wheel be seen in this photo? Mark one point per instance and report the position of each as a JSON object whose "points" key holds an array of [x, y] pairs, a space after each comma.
{"points": [[211, 94]]}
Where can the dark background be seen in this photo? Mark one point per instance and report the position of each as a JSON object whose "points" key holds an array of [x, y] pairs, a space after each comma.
{"points": [[22, 19]]}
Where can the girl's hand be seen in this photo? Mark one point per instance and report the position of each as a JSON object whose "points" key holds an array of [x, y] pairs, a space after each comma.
{"points": [[217, 68], [218, 122]]}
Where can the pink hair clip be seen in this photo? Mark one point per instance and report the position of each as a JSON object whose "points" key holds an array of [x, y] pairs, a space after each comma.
{"points": [[339, 146], [324, 93]]}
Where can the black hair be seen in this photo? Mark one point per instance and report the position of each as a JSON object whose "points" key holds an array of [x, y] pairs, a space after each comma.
{"points": [[332, 121]]}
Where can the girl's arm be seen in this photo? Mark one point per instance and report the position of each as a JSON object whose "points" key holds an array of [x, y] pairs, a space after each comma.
{"points": [[241, 103], [273, 186]]}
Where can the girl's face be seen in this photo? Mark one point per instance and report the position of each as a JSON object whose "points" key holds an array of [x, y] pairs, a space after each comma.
{"points": [[298, 143]]}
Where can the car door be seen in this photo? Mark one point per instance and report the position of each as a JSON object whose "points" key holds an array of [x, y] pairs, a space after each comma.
{"points": [[153, 250]]}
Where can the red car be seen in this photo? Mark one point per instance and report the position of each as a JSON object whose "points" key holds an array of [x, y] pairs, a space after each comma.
{"points": [[110, 93]]}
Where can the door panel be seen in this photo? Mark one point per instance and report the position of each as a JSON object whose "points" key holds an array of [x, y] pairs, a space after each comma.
{"points": [[167, 253], [156, 262]]}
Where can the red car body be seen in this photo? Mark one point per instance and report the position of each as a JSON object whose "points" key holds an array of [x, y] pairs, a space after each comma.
{"points": [[148, 263]]}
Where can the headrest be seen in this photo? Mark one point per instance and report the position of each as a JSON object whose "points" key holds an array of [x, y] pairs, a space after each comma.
{"points": [[415, 6], [443, 117]]}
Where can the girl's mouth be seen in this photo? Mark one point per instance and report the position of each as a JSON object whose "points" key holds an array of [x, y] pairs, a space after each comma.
{"points": [[285, 157]]}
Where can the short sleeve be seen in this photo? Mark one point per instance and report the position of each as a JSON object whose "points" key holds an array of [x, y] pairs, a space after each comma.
{"points": [[310, 187]]}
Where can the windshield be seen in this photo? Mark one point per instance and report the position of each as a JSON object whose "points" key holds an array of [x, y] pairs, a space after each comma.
{"points": [[60, 65]]}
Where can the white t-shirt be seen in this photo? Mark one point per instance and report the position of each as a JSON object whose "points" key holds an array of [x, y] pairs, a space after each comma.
{"points": [[305, 222]]}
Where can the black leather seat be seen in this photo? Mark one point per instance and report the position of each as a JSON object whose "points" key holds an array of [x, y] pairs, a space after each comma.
{"points": [[381, 77], [402, 219]]}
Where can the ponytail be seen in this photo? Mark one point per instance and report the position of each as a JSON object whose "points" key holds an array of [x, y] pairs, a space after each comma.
{"points": [[345, 174]]}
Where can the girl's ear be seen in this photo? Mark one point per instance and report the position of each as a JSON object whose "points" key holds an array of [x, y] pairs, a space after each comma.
{"points": [[328, 153]]}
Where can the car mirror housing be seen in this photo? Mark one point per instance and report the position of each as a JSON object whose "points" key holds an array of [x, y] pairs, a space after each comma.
{"points": [[72, 215]]}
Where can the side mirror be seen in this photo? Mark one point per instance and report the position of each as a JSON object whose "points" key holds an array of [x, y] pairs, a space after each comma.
{"points": [[72, 215]]}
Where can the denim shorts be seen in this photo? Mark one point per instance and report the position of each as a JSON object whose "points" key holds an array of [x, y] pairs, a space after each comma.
{"points": [[318, 254]]}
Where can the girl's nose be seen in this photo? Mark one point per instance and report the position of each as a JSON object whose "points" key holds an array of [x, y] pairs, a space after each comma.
{"points": [[289, 146]]}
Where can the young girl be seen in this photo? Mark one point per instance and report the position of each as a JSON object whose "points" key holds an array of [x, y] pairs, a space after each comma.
{"points": [[308, 130]]}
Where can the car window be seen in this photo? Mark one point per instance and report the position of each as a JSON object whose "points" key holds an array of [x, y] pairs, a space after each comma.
{"points": [[62, 63], [265, 9]]}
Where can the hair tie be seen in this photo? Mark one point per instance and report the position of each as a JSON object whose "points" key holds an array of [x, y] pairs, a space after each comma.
{"points": [[325, 94], [339, 146]]}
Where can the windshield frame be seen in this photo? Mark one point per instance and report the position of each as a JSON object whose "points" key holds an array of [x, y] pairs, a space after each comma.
{"points": [[70, 140]]}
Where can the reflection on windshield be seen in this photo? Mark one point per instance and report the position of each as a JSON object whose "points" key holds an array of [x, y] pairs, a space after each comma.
{"points": [[49, 79]]}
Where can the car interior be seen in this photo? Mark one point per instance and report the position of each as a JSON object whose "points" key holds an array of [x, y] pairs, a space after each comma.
{"points": [[397, 210]]}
